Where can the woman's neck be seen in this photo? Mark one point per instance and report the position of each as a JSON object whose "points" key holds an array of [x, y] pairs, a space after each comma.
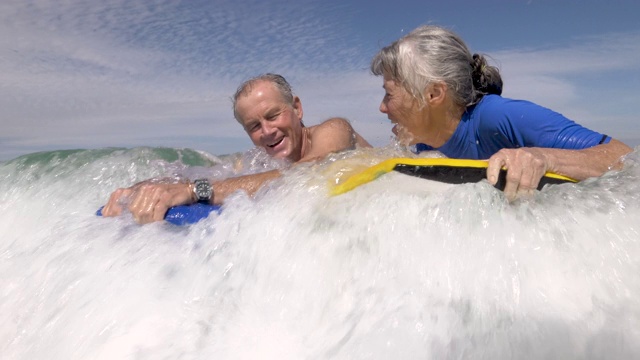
{"points": [[445, 123]]}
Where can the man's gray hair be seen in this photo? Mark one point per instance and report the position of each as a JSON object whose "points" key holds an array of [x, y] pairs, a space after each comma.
{"points": [[278, 81]]}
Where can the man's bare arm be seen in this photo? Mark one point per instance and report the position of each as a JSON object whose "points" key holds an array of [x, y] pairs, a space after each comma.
{"points": [[248, 183], [148, 201]]}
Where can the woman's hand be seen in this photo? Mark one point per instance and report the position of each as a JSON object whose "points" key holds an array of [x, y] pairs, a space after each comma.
{"points": [[525, 167]]}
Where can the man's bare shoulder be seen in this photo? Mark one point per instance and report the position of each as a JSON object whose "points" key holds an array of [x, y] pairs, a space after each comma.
{"points": [[339, 132], [332, 126], [332, 135]]}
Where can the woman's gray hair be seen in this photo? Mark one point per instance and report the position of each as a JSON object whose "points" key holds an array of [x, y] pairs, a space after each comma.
{"points": [[432, 53], [278, 81]]}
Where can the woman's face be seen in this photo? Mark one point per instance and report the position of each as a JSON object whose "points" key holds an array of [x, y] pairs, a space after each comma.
{"points": [[404, 111]]}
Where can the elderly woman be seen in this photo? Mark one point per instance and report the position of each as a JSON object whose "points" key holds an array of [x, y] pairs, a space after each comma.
{"points": [[443, 98]]}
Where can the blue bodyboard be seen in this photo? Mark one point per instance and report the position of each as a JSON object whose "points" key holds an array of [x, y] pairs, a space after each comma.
{"points": [[186, 214]]}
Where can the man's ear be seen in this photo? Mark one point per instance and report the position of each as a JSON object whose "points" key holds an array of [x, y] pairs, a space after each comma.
{"points": [[297, 107], [436, 93]]}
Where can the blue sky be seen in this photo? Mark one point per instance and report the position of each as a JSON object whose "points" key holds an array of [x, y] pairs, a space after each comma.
{"points": [[92, 74]]}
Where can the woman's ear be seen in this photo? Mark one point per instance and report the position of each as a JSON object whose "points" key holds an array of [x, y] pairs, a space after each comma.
{"points": [[436, 93]]}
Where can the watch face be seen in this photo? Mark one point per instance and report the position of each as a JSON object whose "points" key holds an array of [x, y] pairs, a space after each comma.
{"points": [[203, 189]]}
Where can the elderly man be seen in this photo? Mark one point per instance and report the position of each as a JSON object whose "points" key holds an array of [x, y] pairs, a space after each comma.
{"points": [[272, 117]]}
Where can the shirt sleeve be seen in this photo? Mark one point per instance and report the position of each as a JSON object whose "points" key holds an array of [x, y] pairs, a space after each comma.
{"points": [[519, 123]]}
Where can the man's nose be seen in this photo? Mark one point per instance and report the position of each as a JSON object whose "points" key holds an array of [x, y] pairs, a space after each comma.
{"points": [[267, 128]]}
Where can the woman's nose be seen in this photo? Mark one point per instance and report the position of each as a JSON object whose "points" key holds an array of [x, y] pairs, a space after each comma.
{"points": [[383, 107]]}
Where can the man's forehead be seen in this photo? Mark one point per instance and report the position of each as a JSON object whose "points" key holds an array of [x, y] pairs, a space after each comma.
{"points": [[264, 95], [258, 102], [258, 87]]}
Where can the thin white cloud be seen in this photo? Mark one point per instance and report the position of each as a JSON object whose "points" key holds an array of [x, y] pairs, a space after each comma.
{"points": [[355, 95], [119, 72], [605, 52], [590, 81], [123, 73]]}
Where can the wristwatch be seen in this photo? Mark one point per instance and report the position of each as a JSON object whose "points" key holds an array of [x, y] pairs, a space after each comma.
{"points": [[203, 190]]}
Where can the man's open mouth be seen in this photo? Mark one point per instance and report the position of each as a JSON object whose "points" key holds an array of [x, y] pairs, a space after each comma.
{"points": [[276, 143]]}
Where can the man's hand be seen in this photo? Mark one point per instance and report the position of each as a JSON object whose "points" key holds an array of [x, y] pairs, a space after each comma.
{"points": [[525, 167], [149, 200]]}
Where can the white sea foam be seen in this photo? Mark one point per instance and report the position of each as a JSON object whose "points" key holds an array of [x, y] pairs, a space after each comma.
{"points": [[399, 268]]}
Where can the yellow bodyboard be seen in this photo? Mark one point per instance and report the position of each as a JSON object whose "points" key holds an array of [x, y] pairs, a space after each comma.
{"points": [[440, 165]]}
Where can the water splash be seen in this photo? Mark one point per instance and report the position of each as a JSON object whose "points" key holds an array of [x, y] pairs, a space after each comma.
{"points": [[398, 268]]}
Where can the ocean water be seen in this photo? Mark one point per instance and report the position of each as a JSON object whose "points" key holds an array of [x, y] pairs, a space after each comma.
{"points": [[400, 268]]}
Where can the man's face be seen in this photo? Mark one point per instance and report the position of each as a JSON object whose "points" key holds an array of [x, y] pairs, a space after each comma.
{"points": [[270, 122]]}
